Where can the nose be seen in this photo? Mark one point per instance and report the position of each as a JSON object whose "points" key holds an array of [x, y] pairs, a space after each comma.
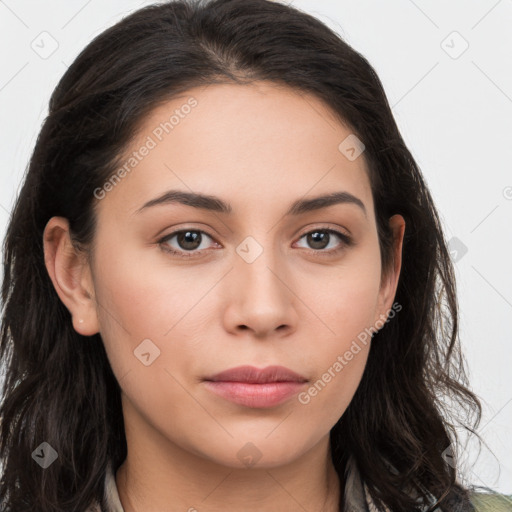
{"points": [[261, 297]]}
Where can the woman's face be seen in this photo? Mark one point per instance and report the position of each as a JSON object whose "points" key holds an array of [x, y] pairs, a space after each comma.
{"points": [[261, 284]]}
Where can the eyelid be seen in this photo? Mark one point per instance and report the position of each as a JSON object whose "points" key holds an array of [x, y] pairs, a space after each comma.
{"points": [[327, 227]]}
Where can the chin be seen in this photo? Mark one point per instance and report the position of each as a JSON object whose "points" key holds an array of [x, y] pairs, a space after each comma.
{"points": [[256, 453]]}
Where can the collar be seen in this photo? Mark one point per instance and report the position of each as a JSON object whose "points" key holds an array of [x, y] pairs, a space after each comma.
{"points": [[357, 497], [111, 493]]}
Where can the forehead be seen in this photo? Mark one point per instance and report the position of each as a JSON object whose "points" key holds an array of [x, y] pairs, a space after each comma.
{"points": [[239, 141]]}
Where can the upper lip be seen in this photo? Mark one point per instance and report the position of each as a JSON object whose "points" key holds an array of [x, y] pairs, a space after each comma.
{"points": [[253, 375]]}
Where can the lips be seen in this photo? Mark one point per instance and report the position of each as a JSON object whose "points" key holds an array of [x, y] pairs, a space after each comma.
{"points": [[253, 387], [252, 375]]}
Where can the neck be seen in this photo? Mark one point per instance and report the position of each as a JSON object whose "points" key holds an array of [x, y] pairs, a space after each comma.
{"points": [[173, 479]]}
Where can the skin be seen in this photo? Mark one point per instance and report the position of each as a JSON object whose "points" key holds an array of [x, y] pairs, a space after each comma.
{"points": [[258, 147]]}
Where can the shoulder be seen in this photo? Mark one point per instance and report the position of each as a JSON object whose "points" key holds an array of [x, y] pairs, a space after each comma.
{"points": [[491, 502]]}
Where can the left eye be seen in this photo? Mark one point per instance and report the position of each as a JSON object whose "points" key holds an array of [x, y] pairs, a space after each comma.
{"points": [[188, 240], [318, 238], [191, 239]]}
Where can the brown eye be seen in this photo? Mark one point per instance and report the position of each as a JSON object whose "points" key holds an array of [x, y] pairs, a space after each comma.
{"points": [[319, 241], [188, 242]]}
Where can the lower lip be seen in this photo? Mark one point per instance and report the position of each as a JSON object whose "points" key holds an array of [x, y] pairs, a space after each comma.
{"points": [[255, 395]]}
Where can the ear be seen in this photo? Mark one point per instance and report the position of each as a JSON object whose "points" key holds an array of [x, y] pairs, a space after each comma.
{"points": [[71, 276], [389, 284]]}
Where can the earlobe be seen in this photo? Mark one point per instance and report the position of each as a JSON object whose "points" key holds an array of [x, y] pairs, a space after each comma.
{"points": [[389, 286], [71, 277]]}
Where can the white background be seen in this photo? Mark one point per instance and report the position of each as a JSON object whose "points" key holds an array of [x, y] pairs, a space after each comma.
{"points": [[455, 115]]}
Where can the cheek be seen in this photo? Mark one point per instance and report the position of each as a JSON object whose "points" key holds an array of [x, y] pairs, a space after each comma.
{"points": [[338, 357], [144, 294], [150, 307], [135, 302], [345, 308], [344, 298], [326, 399]]}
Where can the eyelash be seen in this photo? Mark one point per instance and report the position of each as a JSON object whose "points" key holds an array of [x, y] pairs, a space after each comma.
{"points": [[347, 241]]}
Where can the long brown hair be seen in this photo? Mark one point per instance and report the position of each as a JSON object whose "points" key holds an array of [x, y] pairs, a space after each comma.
{"points": [[59, 387]]}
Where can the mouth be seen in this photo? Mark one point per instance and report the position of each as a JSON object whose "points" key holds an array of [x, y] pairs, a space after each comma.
{"points": [[253, 387]]}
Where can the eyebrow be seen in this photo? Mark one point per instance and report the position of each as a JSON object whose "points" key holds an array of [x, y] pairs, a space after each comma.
{"points": [[215, 204]]}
